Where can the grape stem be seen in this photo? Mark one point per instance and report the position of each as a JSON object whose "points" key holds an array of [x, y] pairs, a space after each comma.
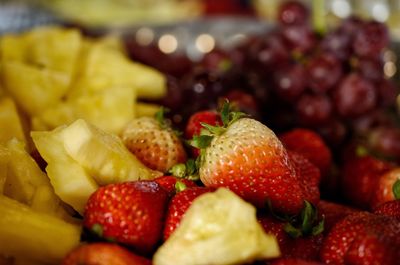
{"points": [[318, 16]]}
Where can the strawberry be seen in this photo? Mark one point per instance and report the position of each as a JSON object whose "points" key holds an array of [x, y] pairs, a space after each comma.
{"points": [[169, 183], [178, 206], [360, 178], [291, 261], [309, 144], [103, 254], [304, 246], [383, 191], [363, 238], [333, 212], [391, 208], [130, 213], [153, 142], [194, 127], [308, 174], [246, 156]]}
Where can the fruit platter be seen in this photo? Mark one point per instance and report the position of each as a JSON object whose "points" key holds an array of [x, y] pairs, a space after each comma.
{"points": [[278, 147]]}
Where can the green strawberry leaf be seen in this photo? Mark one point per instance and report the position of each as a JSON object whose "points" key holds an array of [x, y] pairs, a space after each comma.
{"points": [[307, 217], [180, 186], [214, 130], [319, 228], [292, 231], [178, 170], [160, 118], [396, 189], [224, 112], [201, 141], [191, 167]]}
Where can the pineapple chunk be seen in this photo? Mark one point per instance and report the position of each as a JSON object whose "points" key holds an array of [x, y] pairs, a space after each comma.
{"points": [[70, 181], [26, 183], [13, 48], [4, 158], [34, 236], [37, 90], [146, 109], [104, 67], [219, 228], [104, 155], [10, 122], [61, 114], [55, 48]]}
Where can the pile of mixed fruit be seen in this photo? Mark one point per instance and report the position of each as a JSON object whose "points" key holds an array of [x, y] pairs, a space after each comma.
{"points": [[287, 152]]}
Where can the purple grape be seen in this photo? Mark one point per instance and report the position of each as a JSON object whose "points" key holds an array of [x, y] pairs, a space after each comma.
{"points": [[385, 141], [323, 72], [337, 43], [299, 38], [290, 82], [371, 69], [370, 39], [388, 92], [313, 109], [354, 96], [293, 13]]}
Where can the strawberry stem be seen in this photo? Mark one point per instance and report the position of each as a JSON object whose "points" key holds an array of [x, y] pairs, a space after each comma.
{"points": [[180, 186], [97, 229], [396, 189], [160, 118]]}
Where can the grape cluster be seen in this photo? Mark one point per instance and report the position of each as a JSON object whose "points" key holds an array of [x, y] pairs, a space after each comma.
{"points": [[294, 77]]}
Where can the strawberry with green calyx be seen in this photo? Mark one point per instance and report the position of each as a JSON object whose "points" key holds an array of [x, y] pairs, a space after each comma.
{"points": [[169, 183], [247, 157], [188, 170], [391, 208], [384, 190], [153, 142]]}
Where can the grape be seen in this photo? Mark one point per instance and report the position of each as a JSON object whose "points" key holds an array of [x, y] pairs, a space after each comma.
{"points": [[313, 109], [373, 119], [351, 25], [299, 38], [371, 69], [370, 39], [333, 131], [244, 101], [324, 71], [173, 99], [337, 43], [388, 92], [290, 82], [293, 13], [217, 60], [385, 141], [354, 96]]}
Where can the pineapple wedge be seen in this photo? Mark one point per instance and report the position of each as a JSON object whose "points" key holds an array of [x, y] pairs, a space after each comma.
{"points": [[37, 90], [80, 157], [4, 158], [104, 155], [34, 236], [219, 228], [13, 48], [70, 181], [10, 122], [104, 67], [146, 109]]}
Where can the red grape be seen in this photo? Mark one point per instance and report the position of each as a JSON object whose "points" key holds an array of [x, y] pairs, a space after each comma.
{"points": [[370, 39], [313, 109], [293, 13], [299, 38], [337, 43], [290, 82], [371, 69], [354, 96], [388, 92], [385, 141], [324, 71]]}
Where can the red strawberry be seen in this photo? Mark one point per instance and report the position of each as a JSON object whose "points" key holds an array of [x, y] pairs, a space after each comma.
{"points": [[304, 246], [360, 179], [333, 213], [103, 254], [169, 182], [309, 176], [178, 206], [310, 145], [383, 192], [291, 261], [154, 143], [352, 240], [131, 213], [391, 208], [247, 157], [194, 127]]}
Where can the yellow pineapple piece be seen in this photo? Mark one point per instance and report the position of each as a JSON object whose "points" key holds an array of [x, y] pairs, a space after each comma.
{"points": [[104, 67], [10, 122], [70, 181], [61, 114], [27, 234], [146, 109], [34, 89], [13, 47], [4, 158]]}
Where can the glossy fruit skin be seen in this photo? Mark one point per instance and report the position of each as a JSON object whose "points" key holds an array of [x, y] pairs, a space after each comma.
{"points": [[131, 213], [356, 238], [178, 206], [360, 177], [292, 13], [370, 39], [103, 254], [156, 147], [390, 208], [304, 247], [333, 213], [249, 159], [323, 72], [313, 110], [310, 145], [194, 127], [383, 191], [168, 183]]}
